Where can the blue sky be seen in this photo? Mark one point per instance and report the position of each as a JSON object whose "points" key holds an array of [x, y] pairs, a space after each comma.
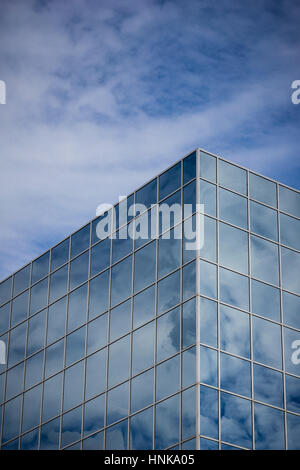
{"points": [[103, 95]]}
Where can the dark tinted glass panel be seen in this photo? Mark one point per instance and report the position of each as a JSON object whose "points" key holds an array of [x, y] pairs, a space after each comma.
{"points": [[39, 296], [79, 270], [58, 283], [60, 254], [119, 361], [290, 231], [233, 208], [291, 310], [75, 346], [168, 334], [188, 280], [30, 441], [32, 408], [21, 279], [262, 190], [17, 344], [265, 300], [188, 416], [77, 312], [170, 180], [36, 332], [117, 436], [94, 442], [169, 253], [144, 306], [233, 248], [14, 381], [266, 342], [34, 369], [167, 377], [11, 419], [52, 397], [290, 270], [236, 420], [167, 423], [80, 241], [117, 403], [208, 197], [268, 385], [141, 430], [40, 267], [293, 430], [5, 290], [142, 390], [71, 426], [100, 256], [263, 221], [12, 445], [289, 201], [19, 308], [99, 290], [145, 266], [235, 375], [97, 333], [232, 177], [208, 322], [209, 412], [4, 317], [189, 323], [120, 320], [208, 366], [189, 199], [121, 281], [208, 166], [147, 195], [73, 389], [94, 415], [95, 374], [56, 320], [143, 348], [292, 393], [168, 292], [234, 289], [269, 428], [54, 358], [189, 168], [208, 279], [50, 435], [235, 331]]}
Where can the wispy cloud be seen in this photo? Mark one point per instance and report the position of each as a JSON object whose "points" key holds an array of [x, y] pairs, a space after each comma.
{"points": [[103, 95]]}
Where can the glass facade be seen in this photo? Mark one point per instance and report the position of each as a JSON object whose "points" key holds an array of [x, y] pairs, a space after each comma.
{"points": [[143, 343]]}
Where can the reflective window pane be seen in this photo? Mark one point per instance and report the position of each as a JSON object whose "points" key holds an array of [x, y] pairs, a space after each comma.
{"points": [[80, 241], [32, 408], [232, 177], [120, 320], [189, 239], [58, 283], [233, 208], [167, 423], [117, 403], [99, 291], [207, 444], [34, 369], [169, 253], [293, 430], [208, 366], [79, 270], [5, 290], [147, 195], [268, 385], [145, 266], [95, 374], [144, 306], [54, 358], [142, 390], [94, 415], [290, 270], [119, 361], [291, 310], [208, 197], [77, 311], [56, 320], [235, 375], [262, 190], [73, 387], [60, 254], [189, 167], [168, 292], [121, 280], [266, 342], [144, 228], [289, 201], [236, 420], [94, 442], [208, 166], [52, 397], [4, 317], [269, 428], [188, 367], [75, 346], [208, 322], [189, 323], [292, 393], [170, 211], [233, 248], [168, 334], [14, 381], [117, 436], [30, 441], [19, 308], [17, 342], [71, 426], [97, 333], [209, 247], [265, 300], [263, 221], [290, 231], [292, 351], [50, 435], [100, 256], [188, 280], [234, 289], [208, 279], [11, 419], [39, 296], [170, 180], [234, 331], [122, 244], [143, 348], [102, 226], [40, 267], [22, 280], [141, 430], [167, 377], [209, 412], [188, 416]]}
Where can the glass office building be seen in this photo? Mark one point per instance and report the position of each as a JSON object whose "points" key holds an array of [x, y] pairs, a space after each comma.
{"points": [[148, 344]]}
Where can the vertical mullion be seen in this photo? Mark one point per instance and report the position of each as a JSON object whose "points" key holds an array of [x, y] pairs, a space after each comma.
{"points": [[197, 300]]}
